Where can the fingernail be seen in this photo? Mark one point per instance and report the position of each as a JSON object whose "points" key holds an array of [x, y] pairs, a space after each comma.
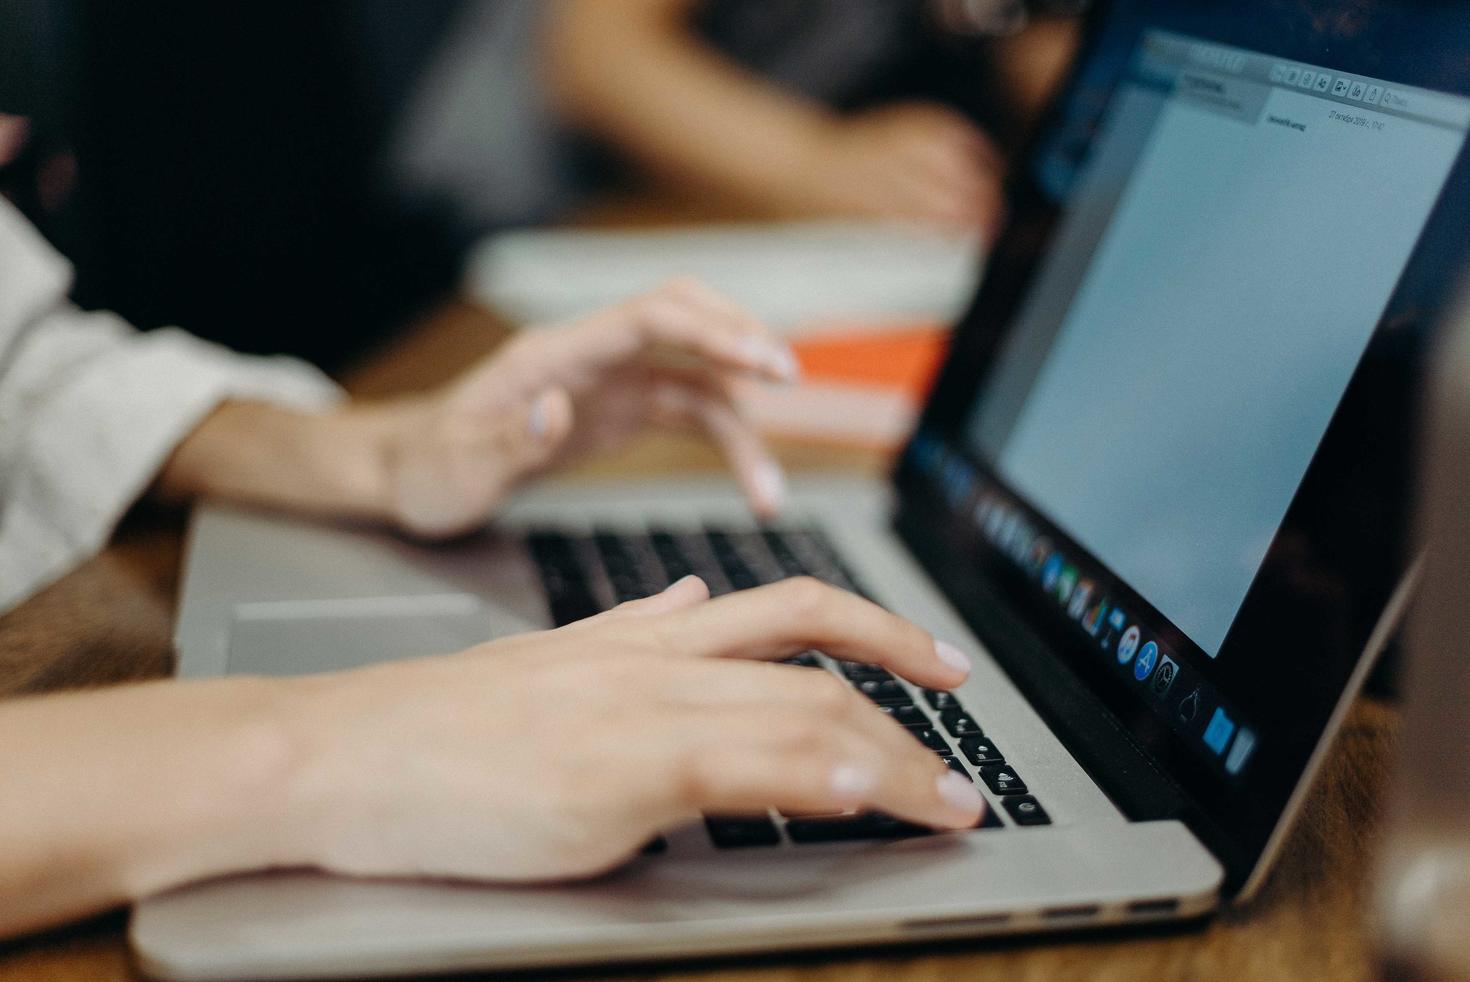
{"points": [[537, 421], [770, 356], [953, 657], [852, 783], [958, 792], [784, 364], [770, 485], [755, 352]]}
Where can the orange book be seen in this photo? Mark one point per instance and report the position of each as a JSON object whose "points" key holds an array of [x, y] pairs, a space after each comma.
{"points": [[863, 384]]}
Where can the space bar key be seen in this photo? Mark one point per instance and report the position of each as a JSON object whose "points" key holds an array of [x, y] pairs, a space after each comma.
{"points": [[870, 826]]}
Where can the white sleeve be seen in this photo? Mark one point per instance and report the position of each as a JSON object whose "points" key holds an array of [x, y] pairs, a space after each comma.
{"points": [[90, 410]]}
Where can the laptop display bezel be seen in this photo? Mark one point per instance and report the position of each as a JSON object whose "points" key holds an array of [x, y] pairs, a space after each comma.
{"points": [[1339, 556]]}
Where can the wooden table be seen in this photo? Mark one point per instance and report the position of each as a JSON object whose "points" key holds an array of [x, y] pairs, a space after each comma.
{"points": [[109, 622]]}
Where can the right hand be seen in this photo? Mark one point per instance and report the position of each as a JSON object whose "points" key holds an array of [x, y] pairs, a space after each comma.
{"points": [[915, 162], [558, 754]]}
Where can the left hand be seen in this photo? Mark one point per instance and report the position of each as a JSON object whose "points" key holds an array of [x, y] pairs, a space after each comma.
{"points": [[665, 358]]}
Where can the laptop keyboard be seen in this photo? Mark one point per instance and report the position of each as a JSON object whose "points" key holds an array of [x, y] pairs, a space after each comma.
{"points": [[583, 574]]}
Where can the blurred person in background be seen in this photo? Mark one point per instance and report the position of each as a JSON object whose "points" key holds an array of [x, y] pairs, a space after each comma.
{"points": [[784, 108], [307, 177]]}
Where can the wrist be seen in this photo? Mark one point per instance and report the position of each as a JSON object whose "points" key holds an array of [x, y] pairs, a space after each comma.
{"points": [[336, 463], [357, 449], [237, 801]]}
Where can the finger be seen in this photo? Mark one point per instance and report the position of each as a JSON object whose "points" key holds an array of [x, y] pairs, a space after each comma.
{"points": [[697, 682], [776, 621], [933, 203], [686, 592], [712, 411], [724, 308], [955, 129], [687, 321], [14, 131], [742, 762]]}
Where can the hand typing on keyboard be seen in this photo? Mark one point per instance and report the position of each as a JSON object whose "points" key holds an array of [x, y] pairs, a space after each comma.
{"points": [[560, 753], [440, 463], [666, 358]]}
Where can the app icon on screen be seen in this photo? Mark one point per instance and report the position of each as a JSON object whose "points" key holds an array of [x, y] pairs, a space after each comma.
{"points": [[1092, 620], [1051, 572], [1066, 583], [1240, 751], [1080, 596], [1128, 644], [1148, 656], [1189, 706], [1117, 620], [1218, 733], [1165, 676]]}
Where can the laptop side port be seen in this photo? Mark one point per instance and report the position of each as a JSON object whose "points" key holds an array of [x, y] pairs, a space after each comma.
{"points": [[1160, 907], [976, 924], [1079, 912]]}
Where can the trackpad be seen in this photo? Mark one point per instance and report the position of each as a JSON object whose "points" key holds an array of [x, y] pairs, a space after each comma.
{"points": [[298, 638]]}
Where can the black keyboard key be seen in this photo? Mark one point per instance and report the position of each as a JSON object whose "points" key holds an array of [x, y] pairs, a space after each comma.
{"points": [[981, 751], [737, 571], [844, 828], [671, 554], [655, 846], [911, 716], [568, 606], [741, 833], [624, 573], [1002, 779], [942, 701], [782, 552], [959, 723], [1026, 810], [859, 672], [932, 739], [991, 818], [568, 595], [953, 763], [807, 659], [886, 692]]}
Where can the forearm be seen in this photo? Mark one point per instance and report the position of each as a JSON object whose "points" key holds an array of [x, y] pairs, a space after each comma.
{"points": [[634, 73], [332, 463], [113, 795]]}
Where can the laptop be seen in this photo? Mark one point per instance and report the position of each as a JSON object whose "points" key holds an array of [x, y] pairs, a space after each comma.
{"points": [[1157, 494]]}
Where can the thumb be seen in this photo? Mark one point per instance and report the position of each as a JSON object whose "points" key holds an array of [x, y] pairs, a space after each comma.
{"points": [[545, 424]]}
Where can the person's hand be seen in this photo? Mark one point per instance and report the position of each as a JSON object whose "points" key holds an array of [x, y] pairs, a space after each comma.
{"points": [[666, 358], [559, 754], [439, 464], [13, 133], [914, 162]]}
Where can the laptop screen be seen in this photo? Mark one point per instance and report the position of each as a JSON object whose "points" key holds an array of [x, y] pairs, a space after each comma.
{"points": [[1147, 413], [1223, 264]]}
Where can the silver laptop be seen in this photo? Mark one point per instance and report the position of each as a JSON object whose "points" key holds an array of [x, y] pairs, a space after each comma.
{"points": [[1155, 493]]}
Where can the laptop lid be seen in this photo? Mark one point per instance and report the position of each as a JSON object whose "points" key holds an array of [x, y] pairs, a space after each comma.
{"points": [[1163, 471]]}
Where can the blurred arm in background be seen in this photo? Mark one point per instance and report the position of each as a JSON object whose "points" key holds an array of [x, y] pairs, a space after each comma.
{"points": [[638, 74]]}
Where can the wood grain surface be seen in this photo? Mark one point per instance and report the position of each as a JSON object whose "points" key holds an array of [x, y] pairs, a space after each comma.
{"points": [[109, 622]]}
